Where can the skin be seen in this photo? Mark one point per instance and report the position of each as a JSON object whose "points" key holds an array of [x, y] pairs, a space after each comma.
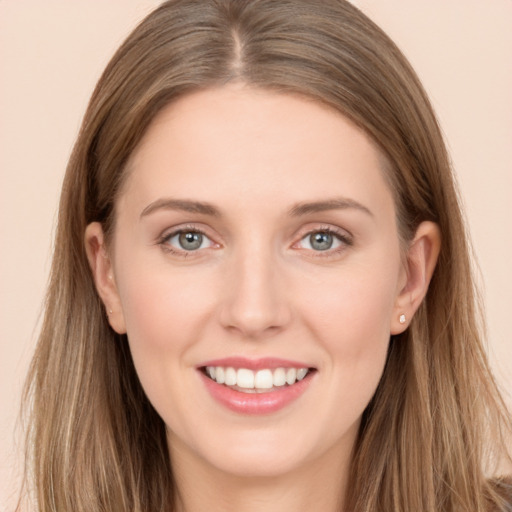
{"points": [[258, 288]]}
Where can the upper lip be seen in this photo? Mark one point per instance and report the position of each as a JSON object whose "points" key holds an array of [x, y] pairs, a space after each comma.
{"points": [[254, 364]]}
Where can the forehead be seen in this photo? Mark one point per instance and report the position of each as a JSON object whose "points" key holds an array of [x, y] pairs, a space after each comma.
{"points": [[238, 143]]}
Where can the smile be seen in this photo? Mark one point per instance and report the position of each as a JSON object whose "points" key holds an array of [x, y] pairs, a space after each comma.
{"points": [[261, 381], [267, 387]]}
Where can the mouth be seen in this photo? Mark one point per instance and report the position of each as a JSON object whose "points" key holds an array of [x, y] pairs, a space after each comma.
{"points": [[265, 380], [256, 386]]}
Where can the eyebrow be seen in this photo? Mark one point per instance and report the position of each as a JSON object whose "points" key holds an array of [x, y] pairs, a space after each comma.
{"points": [[181, 205], [341, 203], [298, 210]]}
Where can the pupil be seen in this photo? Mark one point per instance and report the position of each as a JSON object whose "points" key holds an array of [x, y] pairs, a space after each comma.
{"points": [[191, 241], [321, 241]]}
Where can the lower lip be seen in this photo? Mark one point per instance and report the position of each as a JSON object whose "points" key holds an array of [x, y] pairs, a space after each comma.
{"points": [[256, 403]]}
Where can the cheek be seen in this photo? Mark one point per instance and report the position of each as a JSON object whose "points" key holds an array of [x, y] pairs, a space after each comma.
{"points": [[353, 310], [162, 305], [165, 312], [350, 317]]}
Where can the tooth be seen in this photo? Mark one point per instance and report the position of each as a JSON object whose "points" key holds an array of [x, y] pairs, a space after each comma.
{"points": [[230, 377], [301, 373], [263, 379], [245, 378], [220, 375], [279, 377], [291, 375]]}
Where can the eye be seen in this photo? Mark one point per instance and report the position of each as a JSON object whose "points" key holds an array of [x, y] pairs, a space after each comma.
{"points": [[189, 240], [323, 240]]}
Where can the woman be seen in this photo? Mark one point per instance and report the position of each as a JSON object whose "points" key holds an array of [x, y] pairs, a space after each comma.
{"points": [[304, 336]]}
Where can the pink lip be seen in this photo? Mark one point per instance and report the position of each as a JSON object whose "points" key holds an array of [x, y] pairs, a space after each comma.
{"points": [[254, 364], [255, 403]]}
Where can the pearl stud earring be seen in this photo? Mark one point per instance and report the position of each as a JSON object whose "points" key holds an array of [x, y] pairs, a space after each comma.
{"points": [[402, 319]]}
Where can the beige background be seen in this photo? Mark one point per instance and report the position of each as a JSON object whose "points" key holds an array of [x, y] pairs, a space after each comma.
{"points": [[51, 54]]}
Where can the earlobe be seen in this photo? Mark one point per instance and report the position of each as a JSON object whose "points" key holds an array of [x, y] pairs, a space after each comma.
{"points": [[102, 271], [421, 260]]}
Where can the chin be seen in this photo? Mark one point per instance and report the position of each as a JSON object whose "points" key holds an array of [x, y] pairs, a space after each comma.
{"points": [[258, 463], [269, 451]]}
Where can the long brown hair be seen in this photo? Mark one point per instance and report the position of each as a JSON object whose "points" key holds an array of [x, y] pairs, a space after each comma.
{"points": [[95, 442]]}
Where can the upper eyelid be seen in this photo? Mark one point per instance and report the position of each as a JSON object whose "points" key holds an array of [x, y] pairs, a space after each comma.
{"points": [[170, 232], [341, 238], [335, 230]]}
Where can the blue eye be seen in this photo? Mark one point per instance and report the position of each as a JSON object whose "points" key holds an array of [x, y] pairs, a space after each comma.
{"points": [[322, 241], [188, 240]]}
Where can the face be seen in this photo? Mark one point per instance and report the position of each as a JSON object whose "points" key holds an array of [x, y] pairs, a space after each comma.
{"points": [[256, 242]]}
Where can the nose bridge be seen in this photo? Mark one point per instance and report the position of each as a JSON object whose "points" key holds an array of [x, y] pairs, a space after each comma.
{"points": [[255, 302]]}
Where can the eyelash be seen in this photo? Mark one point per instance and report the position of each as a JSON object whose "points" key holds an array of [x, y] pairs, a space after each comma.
{"points": [[163, 241], [343, 238]]}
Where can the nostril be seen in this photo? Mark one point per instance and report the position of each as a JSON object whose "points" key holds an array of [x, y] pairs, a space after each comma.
{"points": [[255, 304]]}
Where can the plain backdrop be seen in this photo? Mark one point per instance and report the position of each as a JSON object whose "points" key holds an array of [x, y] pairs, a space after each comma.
{"points": [[52, 53]]}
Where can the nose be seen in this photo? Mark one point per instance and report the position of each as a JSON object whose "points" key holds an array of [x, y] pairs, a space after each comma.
{"points": [[255, 303]]}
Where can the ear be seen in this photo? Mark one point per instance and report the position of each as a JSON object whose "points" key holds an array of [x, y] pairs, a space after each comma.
{"points": [[101, 267], [420, 262]]}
